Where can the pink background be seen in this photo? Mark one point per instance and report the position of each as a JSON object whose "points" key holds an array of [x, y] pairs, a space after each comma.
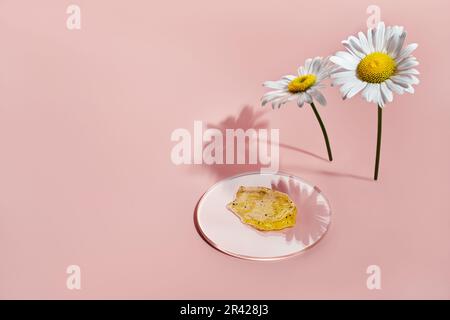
{"points": [[85, 169]]}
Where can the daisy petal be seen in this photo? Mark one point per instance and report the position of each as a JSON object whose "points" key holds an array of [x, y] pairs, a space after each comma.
{"points": [[276, 84], [379, 37], [413, 79], [342, 74], [301, 71], [407, 63], [315, 64], [346, 87], [288, 77], [276, 104], [337, 81], [369, 92], [409, 79], [353, 45], [378, 97], [400, 42], [308, 97], [364, 43], [370, 40], [406, 51], [344, 63], [357, 87], [400, 83], [408, 71], [410, 89], [394, 87], [347, 56], [307, 64], [271, 96], [387, 36], [386, 93], [392, 43], [301, 100], [274, 93], [316, 94]]}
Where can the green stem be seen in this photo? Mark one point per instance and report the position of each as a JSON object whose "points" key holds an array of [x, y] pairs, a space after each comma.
{"points": [[324, 131], [377, 159]]}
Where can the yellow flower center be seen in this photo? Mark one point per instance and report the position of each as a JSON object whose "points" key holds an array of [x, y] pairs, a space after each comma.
{"points": [[302, 83], [376, 67]]}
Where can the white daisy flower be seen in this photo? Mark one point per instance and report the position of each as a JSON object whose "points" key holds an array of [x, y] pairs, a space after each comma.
{"points": [[376, 65], [304, 88]]}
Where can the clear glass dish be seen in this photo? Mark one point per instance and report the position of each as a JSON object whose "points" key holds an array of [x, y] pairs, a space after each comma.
{"points": [[223, 230]]}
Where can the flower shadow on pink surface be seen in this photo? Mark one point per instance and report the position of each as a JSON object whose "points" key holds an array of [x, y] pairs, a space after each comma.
{"points": [[248, 118], [329, 173], [313, 215]]}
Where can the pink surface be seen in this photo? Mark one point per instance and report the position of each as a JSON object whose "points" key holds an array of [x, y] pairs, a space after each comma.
{"points": [[85, 169]]}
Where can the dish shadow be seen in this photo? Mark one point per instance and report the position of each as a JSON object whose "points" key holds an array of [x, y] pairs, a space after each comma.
{"points": [[313, 213], [332, 173]]}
